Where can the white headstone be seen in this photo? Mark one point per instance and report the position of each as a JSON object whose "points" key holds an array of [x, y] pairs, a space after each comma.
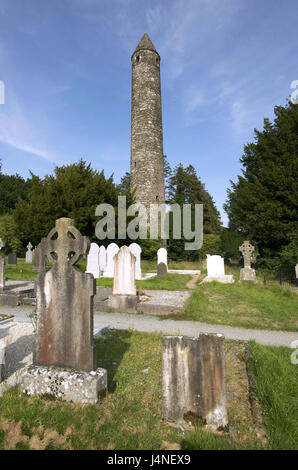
{"points": [[102, 258], [29, 253], [296, 270], [112, 250], [2, 244], [162, 256], [136, 251], [93, 261], [124, 272], [215, 266]]}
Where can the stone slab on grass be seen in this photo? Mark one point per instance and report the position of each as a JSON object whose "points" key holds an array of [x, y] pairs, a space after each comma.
{"points": [[68, 385]]}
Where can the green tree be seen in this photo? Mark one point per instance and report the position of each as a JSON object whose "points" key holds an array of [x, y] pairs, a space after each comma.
{"points": [[73, 191], [12, 187], [263, 203], [10, 235], [185, 187]]}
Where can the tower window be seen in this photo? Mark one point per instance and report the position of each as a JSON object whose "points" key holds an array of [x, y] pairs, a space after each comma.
{"points": [[137, 58]]}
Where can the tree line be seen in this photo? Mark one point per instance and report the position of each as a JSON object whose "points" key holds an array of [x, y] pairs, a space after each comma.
{"points": [[262, 204]]}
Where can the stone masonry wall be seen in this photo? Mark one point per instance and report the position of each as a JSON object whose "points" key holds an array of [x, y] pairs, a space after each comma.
{"points": [[147, 161]]}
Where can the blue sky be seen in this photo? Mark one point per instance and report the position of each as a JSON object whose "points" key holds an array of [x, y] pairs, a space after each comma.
{"points": [[66, 67]]}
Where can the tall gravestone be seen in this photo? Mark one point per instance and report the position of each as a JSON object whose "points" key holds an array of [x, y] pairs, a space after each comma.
{"points": [[12, 259], [39, 257], [29, 253], [2, 267], [64, 356], [247, 274], [216, 270], [112, 250], [93, 261], [194, 379], [162, 262], [124, 294], [136, 251]]}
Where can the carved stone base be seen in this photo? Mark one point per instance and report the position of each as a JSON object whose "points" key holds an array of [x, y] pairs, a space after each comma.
{"points": [[225, 279], [248, 275], [123, 303], [68, 385]]}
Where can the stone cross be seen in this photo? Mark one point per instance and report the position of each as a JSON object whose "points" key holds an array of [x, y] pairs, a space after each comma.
{"points": [[246, 249], [29, 253], [64, 303]]}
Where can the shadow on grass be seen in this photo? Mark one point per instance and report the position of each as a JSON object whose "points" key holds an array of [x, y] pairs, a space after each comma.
{"points": [[110, 350]]}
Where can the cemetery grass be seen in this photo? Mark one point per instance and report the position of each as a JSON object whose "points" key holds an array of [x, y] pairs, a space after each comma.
{"points": [[242, 305], [129, 417], [170, 282]]}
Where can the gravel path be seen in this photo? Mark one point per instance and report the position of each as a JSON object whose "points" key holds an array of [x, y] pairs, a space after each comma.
{"points": [[149, 323]]}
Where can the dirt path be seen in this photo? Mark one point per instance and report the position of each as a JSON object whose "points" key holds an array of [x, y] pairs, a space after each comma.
{"points": [[192, 283]]}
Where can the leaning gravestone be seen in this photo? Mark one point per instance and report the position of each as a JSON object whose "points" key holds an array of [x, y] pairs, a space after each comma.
{"points": [[39, 257], [64, 360], [162, 262], [124, 293], [247, 274], [112, 250], [29, 253], [93, 261], [136, 251], [194, 379], [216, 270], [12, 259]]}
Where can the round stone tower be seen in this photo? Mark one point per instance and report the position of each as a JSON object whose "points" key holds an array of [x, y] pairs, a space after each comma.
{"points": [[147, 160]]}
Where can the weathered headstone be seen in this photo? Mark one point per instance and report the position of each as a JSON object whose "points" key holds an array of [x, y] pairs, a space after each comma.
{"points": [[162, 262], [162, 270], [216, 270], [102, 258], [12, 259], [93, 261], [296, 270], [194, 379], [124, 293], [64, 359], [247, 274], [112, 250], [136, 251], [40, 257], [29, 253]]}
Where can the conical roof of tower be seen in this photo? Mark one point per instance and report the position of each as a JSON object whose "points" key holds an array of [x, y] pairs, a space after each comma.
{"points": [[145, 43]]}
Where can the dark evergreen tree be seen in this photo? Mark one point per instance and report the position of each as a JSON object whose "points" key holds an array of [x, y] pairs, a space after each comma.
{"points": [[263, 203]]}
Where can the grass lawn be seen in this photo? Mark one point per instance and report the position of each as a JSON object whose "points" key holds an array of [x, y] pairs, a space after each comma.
{"points": [[244, 305], [277, 390], [129, 417], [171, 282], [13, 272]]}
